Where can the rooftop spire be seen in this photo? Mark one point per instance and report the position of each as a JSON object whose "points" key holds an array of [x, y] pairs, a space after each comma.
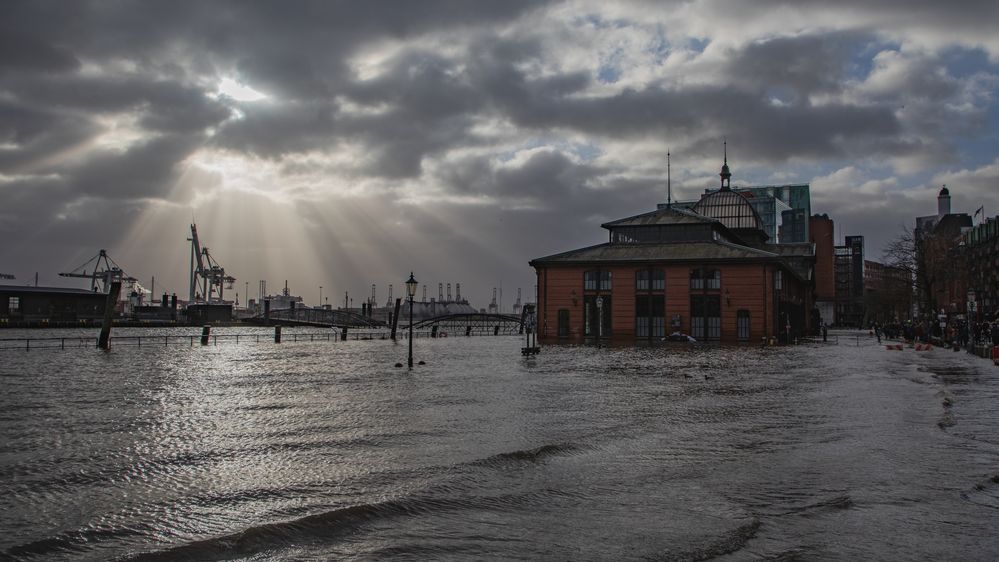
{"points": [[726, 175]]}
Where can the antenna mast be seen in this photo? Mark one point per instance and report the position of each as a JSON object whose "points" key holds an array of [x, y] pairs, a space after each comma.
{"points": [[669, 188]]}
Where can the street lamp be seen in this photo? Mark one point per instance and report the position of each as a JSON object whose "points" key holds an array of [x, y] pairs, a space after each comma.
{"points": [[320, 296], [411, 291]]}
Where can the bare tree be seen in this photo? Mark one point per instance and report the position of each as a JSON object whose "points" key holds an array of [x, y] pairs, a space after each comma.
{"points": [[931, 259]]}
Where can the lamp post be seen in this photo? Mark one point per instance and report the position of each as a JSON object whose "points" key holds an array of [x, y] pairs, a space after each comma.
{"points": [[320, 296], [411, 291]]}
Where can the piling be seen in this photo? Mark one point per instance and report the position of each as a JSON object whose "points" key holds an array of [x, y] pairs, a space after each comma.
{"points": [[395, 317], [343, 334], [206, 333], [277, 334], [104, 342]]}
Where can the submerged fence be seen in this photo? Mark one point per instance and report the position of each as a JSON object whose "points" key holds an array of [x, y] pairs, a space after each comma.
{"points": [[203, 338]]}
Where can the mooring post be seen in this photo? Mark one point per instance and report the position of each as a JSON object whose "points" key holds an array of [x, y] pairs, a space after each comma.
{"points": [[206, 332], [104, 342], [395, 317], [343, 334], [277, 334]]}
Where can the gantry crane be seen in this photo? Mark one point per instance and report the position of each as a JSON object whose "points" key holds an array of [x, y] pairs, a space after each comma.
{"points": [[208, 278], [105, 272]]}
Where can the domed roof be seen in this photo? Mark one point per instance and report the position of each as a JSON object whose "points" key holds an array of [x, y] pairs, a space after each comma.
{"points": [[944, 191], [729, 208]]}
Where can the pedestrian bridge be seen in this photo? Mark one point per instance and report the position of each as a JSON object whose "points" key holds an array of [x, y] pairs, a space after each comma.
{"points": [[301, 316], [465, 324], [472, 324]]}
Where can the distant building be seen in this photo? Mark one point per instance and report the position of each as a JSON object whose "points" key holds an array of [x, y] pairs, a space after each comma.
{"points": [[937, 238], [709, 271], [981, 244], [849, 276], [821, 234], [30, 306]]}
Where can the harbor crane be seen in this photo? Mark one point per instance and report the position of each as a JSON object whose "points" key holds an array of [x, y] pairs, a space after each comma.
{"points": [[105, 271], [208, 278]]}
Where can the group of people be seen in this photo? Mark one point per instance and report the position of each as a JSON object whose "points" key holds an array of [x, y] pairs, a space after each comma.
{"points": [[962, 333]]}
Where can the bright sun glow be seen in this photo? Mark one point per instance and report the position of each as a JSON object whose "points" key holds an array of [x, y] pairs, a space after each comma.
{"points": [[237, 91]]}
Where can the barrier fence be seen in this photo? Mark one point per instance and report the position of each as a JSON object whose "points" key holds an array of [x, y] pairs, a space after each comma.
{"points": [[191, 340]]}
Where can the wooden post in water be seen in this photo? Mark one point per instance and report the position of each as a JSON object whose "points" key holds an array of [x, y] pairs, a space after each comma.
{"points": [[395, 317], [277, 334], [104, 342], [206, 332]]}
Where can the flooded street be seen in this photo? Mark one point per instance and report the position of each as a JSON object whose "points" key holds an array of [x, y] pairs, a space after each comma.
{"points": [[317, 450]]}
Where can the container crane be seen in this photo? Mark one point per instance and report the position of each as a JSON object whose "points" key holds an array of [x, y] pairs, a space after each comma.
{"points": [[105, 271], [208, 278]]}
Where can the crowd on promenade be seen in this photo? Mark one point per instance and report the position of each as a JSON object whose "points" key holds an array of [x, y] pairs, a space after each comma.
{"points": [[960, 333]]}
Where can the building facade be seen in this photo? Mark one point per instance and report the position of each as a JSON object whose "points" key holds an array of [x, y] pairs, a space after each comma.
{"points": [[981, 246], [708, 272], [849, 276], [31, 306]]}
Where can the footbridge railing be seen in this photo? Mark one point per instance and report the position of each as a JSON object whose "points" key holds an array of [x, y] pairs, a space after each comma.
{"points": [[320, 317], [471, 324]]}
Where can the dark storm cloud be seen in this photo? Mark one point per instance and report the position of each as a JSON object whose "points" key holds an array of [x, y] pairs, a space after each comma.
{"points": [[545, 177], [20, 52], [101, 103], [146, 169], [800, 65]]}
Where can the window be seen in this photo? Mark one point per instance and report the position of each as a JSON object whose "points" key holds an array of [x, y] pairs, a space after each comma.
{"points": [[658, 280], [593, 315], [605, 280], [650, 316], [642, 280], [705, 317], [778, 280], [696, 282], [646, 279], [713, 279], [563, 323], [14, 304], [597, 279], [742, 325]]}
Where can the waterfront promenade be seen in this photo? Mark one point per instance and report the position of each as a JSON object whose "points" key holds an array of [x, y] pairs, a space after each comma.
{"points": [[310, 450]]}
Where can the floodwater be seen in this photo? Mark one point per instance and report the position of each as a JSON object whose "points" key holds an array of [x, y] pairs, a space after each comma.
{"points": [[317, 450]]}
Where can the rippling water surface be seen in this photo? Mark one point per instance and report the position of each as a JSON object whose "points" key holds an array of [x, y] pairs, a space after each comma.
{"points": [[316, 450]]}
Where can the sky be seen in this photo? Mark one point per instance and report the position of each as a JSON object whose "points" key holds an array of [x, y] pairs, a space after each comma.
{"points": [[344, 144]]}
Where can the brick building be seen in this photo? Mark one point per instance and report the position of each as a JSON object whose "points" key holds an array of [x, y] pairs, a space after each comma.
{"points": [[981, 245], [708, 272]]}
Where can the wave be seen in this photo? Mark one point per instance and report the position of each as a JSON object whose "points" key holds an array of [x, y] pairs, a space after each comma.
{"points": [[731, 542], [535, 455], [337, 522]]}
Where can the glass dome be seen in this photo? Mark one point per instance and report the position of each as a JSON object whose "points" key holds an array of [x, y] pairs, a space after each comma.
{"points": [[730, 208]]}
